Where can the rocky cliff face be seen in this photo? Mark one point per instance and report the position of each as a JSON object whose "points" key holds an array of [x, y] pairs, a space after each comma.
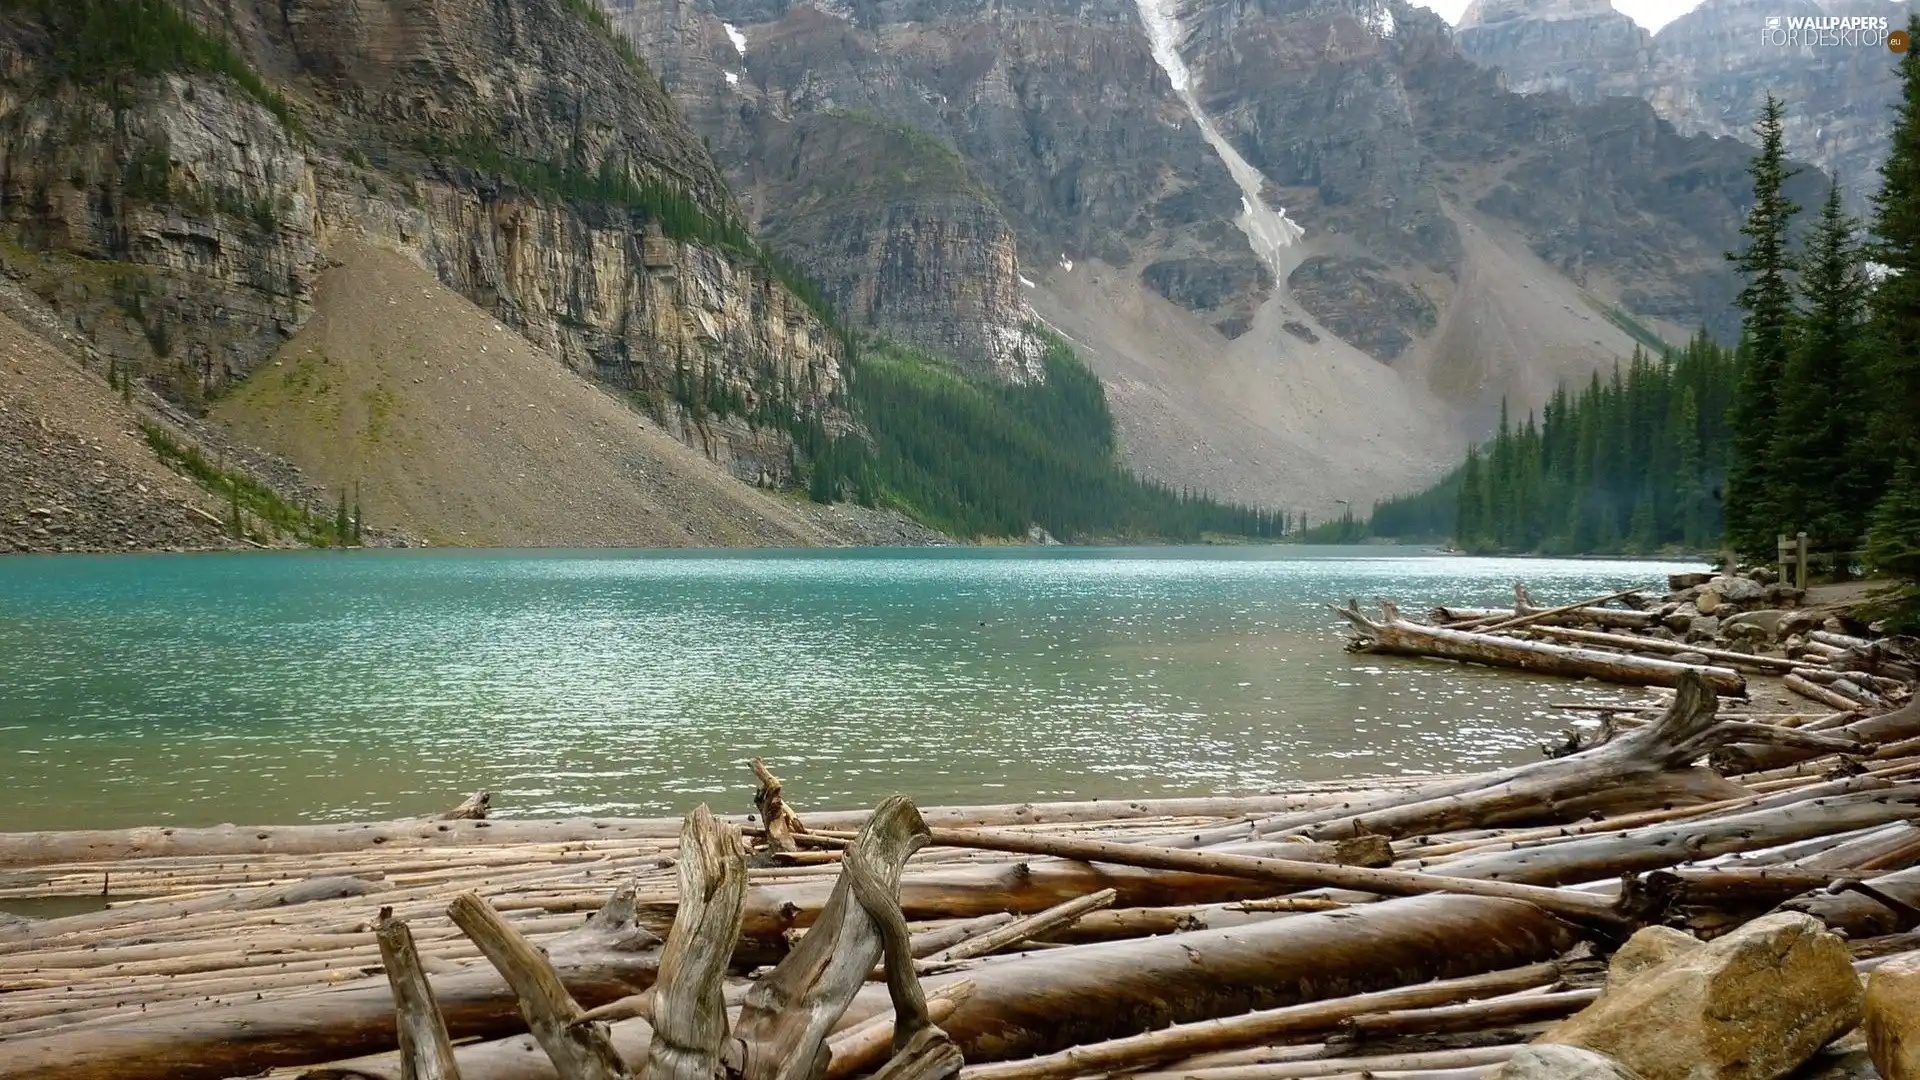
{"points": [[1709, 70], [953, 143], [941, 164], [521, 151]]}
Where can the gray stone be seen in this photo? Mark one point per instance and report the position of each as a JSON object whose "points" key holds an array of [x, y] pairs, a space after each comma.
{"points": [[1678, 582], [1553, 1061], [1737, 589], [1703, 628], [1766, 620], [1752, 1005], [1649, 947], [1681, 618]]}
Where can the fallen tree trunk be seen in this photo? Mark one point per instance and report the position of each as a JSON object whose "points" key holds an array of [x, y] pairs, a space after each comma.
{"points": [[1043, 1002], [1542, 790], [1597, 778], [1523, 605], [1627, 641], [101, 845], [1170, 1044], [1590, 858], [1022, 888], [1395, 636], [1859, 915], [608, 959], [1872, 731], [1293, 876]]}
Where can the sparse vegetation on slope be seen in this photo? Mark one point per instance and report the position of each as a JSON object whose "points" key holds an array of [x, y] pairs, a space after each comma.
{"points": [[104, 44], [256, 511]]}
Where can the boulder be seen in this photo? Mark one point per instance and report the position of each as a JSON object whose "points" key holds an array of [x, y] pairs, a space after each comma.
{"points": [[1708, 601], [1784, 595], [1682, 582], [1648, 947], [1893, 1018], [1766, 620], [1752, 1005], [1551, 1061], [1681, 618], [1697, 658], [1703, 628], [1738, 590], [1748, 634]]}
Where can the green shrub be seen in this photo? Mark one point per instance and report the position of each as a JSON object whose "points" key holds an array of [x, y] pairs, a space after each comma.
{"points": [[103, 43], [249, 500]]}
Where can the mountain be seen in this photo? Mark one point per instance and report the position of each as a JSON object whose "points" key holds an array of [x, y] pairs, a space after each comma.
{"points": [[1308, 245], [177, 181], [1709, 70]]}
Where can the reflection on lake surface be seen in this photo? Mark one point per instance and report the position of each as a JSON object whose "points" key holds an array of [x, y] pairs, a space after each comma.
{"points": [[314, 686]]}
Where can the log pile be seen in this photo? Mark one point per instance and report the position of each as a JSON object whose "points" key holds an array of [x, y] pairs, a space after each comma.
{"points": [[1442, 927], [1725, 628]]}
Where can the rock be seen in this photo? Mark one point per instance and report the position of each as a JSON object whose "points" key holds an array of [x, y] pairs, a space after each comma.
{"points": [[1681, 618], [1752, 1005], [1682, 582], [1701, 659], [1779, 595], [1648, 947], [1765, 575], [1748, 634], [1767, 621], [1737, 590], [1552, 1061], [1703, 628], [1893, 1018]]}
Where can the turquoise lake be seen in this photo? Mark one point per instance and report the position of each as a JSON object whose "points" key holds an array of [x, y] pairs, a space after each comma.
{"points": [[279, 687]]}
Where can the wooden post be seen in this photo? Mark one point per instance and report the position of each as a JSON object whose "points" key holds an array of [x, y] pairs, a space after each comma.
{"points": [[1784, 549], [1800, 562]]}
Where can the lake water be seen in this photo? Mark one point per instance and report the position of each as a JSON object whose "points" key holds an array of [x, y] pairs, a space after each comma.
{"points": [[279, 687]]}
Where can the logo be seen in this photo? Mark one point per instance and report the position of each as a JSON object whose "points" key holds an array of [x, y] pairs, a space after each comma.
{"points": [[1897, 41], [1797, 31]]}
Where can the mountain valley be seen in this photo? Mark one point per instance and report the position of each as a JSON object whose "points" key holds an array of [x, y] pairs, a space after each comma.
{"points": [[1308, 246]]}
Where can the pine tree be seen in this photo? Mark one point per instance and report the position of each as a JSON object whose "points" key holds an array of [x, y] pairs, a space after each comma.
{"points": [[1893, 541], [1768, 301], [1470, 521], [1894, 307], [1819, 393], [1891, 442], [1689, 485], [340, 521], [357, 520]]}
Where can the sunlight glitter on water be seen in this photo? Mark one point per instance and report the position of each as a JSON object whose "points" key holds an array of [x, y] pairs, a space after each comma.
{"points": [[285, 687]]}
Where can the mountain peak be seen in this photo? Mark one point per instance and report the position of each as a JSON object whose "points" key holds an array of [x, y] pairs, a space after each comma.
{"points": [[1488, 12]]}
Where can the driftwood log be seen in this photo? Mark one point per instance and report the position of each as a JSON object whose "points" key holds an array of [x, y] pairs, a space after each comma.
{"points": [[1689, 730], [609, 958], [1397, 637]]}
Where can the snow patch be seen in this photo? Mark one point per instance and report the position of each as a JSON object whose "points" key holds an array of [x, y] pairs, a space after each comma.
{"points": [[734, 35], [1016, 352], [1878, 272], [1268, 230], [1380, 20], [1065, 263], [1024, 280], [733, 78]]}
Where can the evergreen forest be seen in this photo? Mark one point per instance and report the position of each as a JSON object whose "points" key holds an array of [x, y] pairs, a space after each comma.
{"points": [[1811, 422]]}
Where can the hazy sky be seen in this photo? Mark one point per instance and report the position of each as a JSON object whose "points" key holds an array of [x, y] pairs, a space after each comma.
{"points": [[1652, 14]]}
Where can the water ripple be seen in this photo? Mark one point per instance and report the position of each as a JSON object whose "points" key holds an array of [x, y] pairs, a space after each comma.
{"points": [[318, 686]]}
